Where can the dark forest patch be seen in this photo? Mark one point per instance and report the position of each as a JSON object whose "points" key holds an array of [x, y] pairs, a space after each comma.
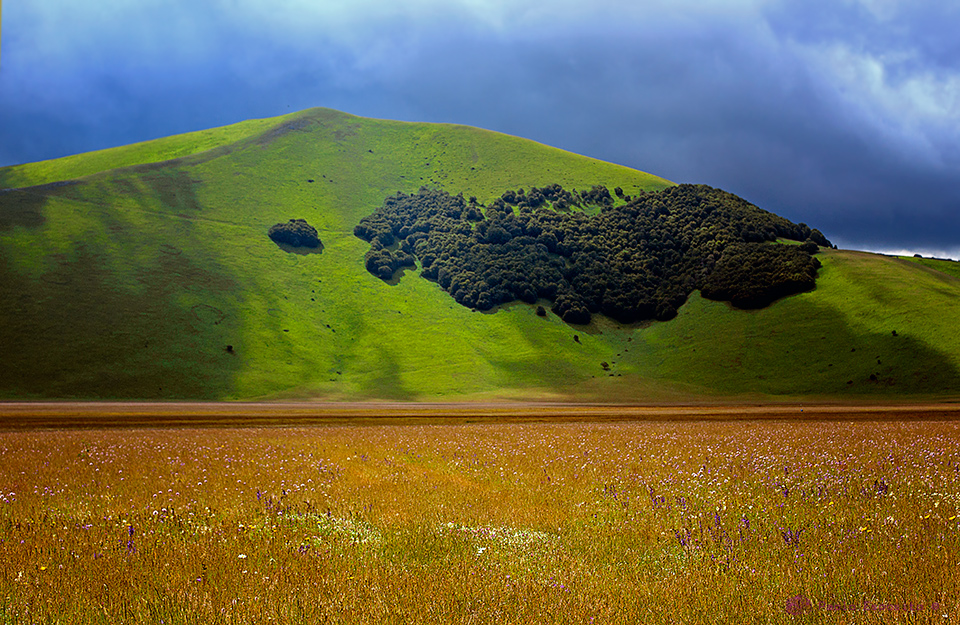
{"points": [[632, 261], [296, 233]]}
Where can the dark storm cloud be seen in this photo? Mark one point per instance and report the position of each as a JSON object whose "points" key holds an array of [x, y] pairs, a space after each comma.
{"points": [[838, 114]]}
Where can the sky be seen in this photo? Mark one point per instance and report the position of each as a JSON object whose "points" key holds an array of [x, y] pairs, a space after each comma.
{"points": [[842, 114]]}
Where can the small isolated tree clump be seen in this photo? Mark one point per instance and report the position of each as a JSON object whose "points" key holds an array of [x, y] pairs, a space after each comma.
{"points": [[296, 232]]}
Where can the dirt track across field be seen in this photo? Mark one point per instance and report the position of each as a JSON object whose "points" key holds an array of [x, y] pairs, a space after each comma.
{"points": [[96, 415]]}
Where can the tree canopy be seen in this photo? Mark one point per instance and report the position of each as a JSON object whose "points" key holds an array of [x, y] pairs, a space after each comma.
{"points": [[296, 232], [639, 259]]}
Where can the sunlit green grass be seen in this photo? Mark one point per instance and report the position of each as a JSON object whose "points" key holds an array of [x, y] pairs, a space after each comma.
{"points": [[133, 283], [951, 267], [154, 151]]}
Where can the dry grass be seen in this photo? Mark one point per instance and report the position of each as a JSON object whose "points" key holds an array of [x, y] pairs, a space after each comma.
{"points": [[698, 522]]}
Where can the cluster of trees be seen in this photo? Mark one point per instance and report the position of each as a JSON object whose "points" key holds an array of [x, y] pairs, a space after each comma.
{"points": [[635, 260], [296, 232], [752, 275], [553, 194]]}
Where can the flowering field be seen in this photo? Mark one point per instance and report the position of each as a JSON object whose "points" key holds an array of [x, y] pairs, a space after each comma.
{"points": [[693, 522]]}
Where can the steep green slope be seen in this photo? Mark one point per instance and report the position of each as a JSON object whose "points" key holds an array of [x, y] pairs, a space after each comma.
{"points": [[132, 281], [163, 149]]}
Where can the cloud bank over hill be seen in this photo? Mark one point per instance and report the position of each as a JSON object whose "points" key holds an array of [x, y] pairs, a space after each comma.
{"points": [[838, 113]]}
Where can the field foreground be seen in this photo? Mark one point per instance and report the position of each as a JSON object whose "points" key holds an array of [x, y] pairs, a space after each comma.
{"points": [[740, 517]]}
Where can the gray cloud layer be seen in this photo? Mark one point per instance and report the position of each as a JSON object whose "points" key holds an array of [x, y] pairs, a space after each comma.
{"points": [[841, 113]]}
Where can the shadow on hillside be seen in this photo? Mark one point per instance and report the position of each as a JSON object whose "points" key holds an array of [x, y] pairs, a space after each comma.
{"points": [[174, 188], [21, 208], [300, 251], [398, 275], [795, 347], [135, 321], [387, 383], [599, 323]]}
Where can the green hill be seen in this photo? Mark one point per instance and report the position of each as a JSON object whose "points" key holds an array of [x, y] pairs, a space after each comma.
{"points": [[145, 271]]}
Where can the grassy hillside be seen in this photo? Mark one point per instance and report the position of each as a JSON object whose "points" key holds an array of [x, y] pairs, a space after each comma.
{"points": [[164, 149], [129, 274]]}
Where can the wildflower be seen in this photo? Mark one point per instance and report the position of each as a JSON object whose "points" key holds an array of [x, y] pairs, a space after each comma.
{"points": [[791, 537], [242, 556]]}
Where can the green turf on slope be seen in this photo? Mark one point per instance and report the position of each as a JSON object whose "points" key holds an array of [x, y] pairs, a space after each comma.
{"points": [[827, 342], [950, 267], [132, 282], [157, 150]]}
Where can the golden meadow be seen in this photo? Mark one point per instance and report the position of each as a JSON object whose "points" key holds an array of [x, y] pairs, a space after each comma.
{"points": [[694, 522]]}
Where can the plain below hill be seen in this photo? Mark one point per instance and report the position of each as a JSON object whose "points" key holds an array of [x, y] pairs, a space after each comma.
{"points": [[146, 272]]}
